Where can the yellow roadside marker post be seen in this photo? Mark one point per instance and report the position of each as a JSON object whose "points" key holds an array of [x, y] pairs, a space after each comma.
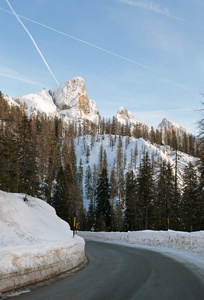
{"points": [[74, 227]]}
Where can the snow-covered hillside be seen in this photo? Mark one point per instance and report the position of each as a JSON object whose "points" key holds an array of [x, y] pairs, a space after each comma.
{"points": [[133, 151], [35, 243]]}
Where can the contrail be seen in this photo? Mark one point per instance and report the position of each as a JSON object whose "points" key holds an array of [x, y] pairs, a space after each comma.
{"points": [[33, 42], [87, 43], [20, 78]]}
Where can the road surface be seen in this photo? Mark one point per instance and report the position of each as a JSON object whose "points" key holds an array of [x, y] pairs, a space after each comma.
{"points": [[119, 272]]}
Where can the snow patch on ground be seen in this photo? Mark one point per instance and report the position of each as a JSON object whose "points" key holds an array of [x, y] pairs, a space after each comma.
{"points": [[35, 243], [184, 241]]}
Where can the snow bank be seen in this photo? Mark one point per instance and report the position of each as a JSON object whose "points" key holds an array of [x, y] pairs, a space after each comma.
{"points": [[35, 244], [185, 241]]}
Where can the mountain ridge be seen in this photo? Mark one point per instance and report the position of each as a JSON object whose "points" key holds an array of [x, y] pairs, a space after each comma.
{"points": [[71, 102]]}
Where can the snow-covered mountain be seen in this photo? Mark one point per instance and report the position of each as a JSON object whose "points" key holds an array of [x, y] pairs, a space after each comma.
{"points": [[69, 100], [169, 125], [124, 117]]}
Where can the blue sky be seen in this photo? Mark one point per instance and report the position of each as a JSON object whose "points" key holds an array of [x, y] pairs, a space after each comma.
{"points": [[147, 56]]}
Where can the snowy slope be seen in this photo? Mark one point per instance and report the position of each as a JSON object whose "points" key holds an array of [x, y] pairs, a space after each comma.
{"points": [[11, 101], [158, 153], [35, 243], [41, 101]]}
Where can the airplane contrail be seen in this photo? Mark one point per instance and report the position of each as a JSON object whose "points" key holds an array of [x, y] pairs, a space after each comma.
{"points": [[20, 78], [87, 43], [32, 41]]}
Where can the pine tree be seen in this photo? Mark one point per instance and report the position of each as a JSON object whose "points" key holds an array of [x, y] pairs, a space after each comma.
{"points": [[119, 156], [73, 158], [152, 135], [80, 177], [192, 144], [145, 192], [158, 137], [103, 207], [135, 156], [113, 183], [91, 216], [114, 126], [200, 148], [163, 205], [26, 147], [59, 200], [120, 170], [100, 158], [94, 183], [88, 183], [105, 163], [87, 154], [52, 148], [131, 205], [8, 164], [190, 206]]}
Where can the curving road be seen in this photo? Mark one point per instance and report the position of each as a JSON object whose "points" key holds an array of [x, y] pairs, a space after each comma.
{"points": [[121, 273]]}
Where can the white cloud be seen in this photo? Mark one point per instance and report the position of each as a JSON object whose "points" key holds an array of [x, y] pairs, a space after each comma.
{"points": [[146, 5]]}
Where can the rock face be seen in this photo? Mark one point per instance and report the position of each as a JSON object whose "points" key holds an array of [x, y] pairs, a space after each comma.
{"points": [[124, 116], [169, 125], [69, 100]]}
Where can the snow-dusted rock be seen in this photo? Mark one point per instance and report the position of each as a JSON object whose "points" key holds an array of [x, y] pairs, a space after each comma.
{"points": [[72, 101], [169, 125], [124, 116], [69, 101]]}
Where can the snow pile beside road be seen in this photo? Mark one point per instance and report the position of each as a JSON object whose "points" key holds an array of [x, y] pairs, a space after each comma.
{"points": [[35, 243], [185, 241]]}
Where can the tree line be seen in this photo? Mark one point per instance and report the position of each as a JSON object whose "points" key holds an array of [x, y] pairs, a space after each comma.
{"points": [[37, 157], [144, 198]]}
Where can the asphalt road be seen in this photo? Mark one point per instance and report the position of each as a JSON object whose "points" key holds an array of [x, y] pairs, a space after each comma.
{"points": [[121, 273]]}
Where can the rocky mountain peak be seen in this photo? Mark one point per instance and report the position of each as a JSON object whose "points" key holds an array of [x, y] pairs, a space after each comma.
{"points": [[69, 100], [169, 125], [123, 116], [69, 93]]}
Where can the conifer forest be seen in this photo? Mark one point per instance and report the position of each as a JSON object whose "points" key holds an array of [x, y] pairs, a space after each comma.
{"points": [[125, 185]]}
